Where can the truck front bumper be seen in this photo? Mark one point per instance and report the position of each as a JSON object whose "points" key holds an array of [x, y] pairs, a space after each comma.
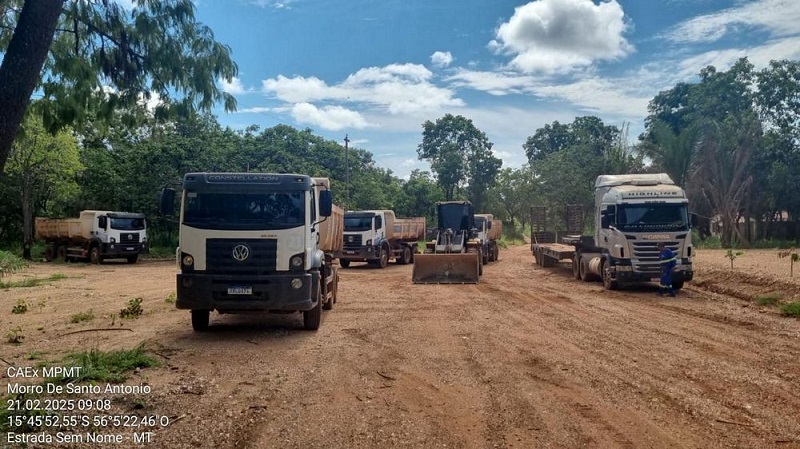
{"points": [[360, 254], [229, 293], [624, 273], [122, 249]]}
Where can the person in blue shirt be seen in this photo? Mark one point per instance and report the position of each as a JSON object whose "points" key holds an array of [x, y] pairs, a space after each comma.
{"points": [[667, 259]]}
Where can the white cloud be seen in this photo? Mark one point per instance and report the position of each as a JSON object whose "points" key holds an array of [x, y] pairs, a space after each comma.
{"points": [[254, 110], [495, 83], [331, 118], [275, 4], [234, 87], [441, 59], [779, 17], [396, 88], [557, 36]]}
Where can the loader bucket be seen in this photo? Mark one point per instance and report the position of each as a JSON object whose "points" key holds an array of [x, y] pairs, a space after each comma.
{"points": [[454, 268]]}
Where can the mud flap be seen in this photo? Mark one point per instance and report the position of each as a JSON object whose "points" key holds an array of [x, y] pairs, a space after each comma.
{"points": [[454, 268]]}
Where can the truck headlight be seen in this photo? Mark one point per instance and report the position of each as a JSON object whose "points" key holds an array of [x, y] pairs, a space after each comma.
{"points": [[297, 283], [296, 261], [113, 240], [188, 260], [369, 242]]}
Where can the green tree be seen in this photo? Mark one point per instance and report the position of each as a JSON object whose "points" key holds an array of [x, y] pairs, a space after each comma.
{"points": [[44, 167], [90, 58], [420, 194], [461, 157]]}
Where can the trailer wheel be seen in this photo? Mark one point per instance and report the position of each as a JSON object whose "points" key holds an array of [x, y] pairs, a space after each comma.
{"points": [[608, 282], [576, 271], [94, 255], [49, 253], [345, 263], [200, 320]]}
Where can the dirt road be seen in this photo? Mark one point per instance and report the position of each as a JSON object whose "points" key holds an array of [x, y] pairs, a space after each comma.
{"points": [[528, 358]]}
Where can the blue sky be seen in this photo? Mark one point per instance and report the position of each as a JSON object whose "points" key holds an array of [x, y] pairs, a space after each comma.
{"points": [[376, 70]]}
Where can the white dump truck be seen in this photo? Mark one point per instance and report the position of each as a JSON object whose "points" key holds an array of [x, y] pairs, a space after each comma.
{"points": [[489, 232], [377, 236], [632, 214], [96, 235], [253, 242]]}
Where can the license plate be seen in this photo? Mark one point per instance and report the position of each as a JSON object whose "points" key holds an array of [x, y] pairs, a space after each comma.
{"points": [[240, 290], [349, 252], [130, 248]]}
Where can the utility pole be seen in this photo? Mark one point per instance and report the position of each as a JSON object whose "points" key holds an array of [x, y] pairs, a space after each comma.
{"points": [[347, 172]]}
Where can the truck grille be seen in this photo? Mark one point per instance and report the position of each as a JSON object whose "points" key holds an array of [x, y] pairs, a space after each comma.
{"points": [[129, 237], [647, 255], [261, 256], [352, 240]]}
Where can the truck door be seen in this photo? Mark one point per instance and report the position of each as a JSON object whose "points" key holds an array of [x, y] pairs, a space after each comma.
{"points": [[379, 233]]}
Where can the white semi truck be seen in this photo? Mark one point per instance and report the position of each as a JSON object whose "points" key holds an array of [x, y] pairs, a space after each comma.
{"points": [[96, 235], [377, 236], [632, 214], [256, 242], [489, 232]]}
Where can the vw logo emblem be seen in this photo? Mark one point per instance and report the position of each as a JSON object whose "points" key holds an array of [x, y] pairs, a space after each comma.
{"points": [[350, 239], [241, 252], [130, 237]]}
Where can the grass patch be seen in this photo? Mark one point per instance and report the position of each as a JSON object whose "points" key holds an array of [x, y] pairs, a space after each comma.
{"points": [[20, 307], [171, 298], [134, 309], [112, 366], [81, 317], [768, 299], [161, 252], [10, 263], [791, 309], [33, 282], [15, 335]]}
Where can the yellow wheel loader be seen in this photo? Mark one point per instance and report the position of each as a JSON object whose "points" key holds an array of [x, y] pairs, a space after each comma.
{"points": [[454, 254]]}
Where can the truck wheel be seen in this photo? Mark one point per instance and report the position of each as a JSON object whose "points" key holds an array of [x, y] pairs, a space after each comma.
{"points": [[677, 285], [608, 282], [344, 263], [94, 255], [583, 268], [384, 260], [311, 318], [61, 253], [200, 320], [49, 253], [133, 258], [405, 257], [328, 302], [576, 271], [485, 256], [480, 262]]}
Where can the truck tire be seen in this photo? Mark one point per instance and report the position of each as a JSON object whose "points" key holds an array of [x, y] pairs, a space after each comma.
{"points": [[94, 255], [323, 285], [200, 320], [485, 256], [345, 263], [576, 271], [49, 253], [132, 259], [583, 269], [61, 253], [312, 318], [608, 282], [384, 257], [496, 252], [405, 257], [677, 285]]}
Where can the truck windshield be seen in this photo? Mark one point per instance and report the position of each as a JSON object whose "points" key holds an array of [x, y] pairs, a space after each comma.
{"points": [[653, 217], [353, 224], [455, 217], [127, 224], [244, 211]]}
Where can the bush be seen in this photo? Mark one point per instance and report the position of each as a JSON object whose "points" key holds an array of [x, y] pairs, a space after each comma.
{"points": [[10, 263], [791, 309]]}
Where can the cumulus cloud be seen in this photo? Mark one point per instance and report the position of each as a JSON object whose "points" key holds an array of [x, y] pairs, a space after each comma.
{"points": [[234, 87], [396, 88], [441, 59], [254, 110], [331, 118], [555, 36], [779, 18], [495, 83]]}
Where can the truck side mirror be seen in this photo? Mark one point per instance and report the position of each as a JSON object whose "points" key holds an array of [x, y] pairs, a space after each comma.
{"points": [[167, 201], [693, 220], [102, 222], [488, 225], [325, 203]]}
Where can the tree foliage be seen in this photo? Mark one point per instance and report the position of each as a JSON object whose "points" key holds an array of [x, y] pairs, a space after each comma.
{"points": [[100, 58], [461, 157]]}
